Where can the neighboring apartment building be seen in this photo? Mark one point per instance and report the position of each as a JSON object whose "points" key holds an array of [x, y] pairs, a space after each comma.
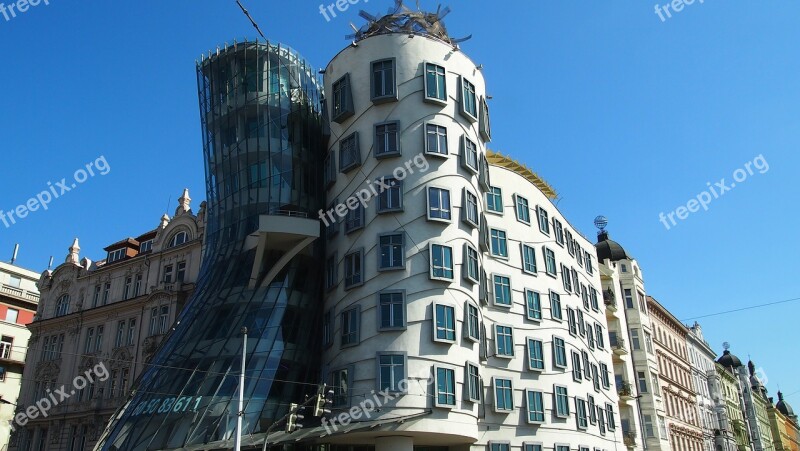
{"points": [[113, 312], [724, 390], [631, 332], [760, 410], [19, 297], [785, 429], [675, 378], [701, 363], [730, 368]]}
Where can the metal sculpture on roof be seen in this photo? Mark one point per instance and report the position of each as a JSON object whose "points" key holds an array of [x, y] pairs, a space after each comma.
{"points": [[402, 19]]}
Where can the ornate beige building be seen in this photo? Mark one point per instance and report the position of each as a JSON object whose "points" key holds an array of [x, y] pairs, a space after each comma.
{"points": [[114, 312]]}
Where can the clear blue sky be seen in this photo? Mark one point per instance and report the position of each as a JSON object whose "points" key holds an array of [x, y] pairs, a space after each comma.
{"points": [[624, 114]]}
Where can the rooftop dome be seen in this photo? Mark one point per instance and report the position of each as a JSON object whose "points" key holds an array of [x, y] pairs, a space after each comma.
{"points": [[729, 360], [784, 407], [608, 249]]}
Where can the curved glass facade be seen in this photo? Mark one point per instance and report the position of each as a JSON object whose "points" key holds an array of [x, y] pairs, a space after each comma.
{"points": [[260, 107]]}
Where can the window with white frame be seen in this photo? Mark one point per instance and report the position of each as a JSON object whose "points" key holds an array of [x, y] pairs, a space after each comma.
{"points": [[445, 387], [469, 101], [535, 355], [494, 200], [499, 243], [439, 204], [529, 259], [533, 305], [550, 261], [470, 212], [392, 309], [473, 323], [349, 153], [559, 353], [535, 406], [469, 157], [523, 210], [544, 221], [558, 229], [354, 269], [435, 83], [387, 139], [436, 140], [560, 401], [555, 306], [441, 262], [444, 323], [471, 263], [391, 198], [351, 319], [391, 371], [392, 251], [503, 395], [582, 418], [504, 339], [472, 384], [502, 290]]}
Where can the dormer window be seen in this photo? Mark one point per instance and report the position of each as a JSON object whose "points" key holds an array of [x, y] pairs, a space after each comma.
{"points": [[146, 246], [118, 254], [178, 239]]}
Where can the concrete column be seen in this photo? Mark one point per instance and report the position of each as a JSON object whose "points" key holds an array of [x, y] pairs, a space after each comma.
{"points": [[395, 443]]}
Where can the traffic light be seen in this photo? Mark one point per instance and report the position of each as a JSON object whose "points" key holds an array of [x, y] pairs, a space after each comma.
{"points": [[294, 415], [324, 401]]}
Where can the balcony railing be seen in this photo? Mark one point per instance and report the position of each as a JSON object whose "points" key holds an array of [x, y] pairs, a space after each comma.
{"points": [[19, 293], [625, 390], [618, 344], [629, 438], [609, 299]]}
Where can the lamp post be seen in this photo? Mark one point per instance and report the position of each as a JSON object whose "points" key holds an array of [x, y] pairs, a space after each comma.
{"points": [[238, 443]]}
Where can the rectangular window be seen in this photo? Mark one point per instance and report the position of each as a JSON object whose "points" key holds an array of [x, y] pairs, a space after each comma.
{"points": [[98, 343], [163, 319], [566, 278], [392, 251], [484, 177], [180, 274], [605, 376], [498, 243], [329, 177], [579, 254], [601, 420], [535, 355], [503, 395], [590, 335], [392, 307], [648, 342], [635, 340], [349, 153], [444, 323], [383, 81], [535, 406], [435, 83], [439, 204], [89, 344], [559, 353], [544, 221], [473, 383], [504, 338], [445, 387], [529, 259], [599, 335], [523, 211], [340, 382], [628, 298], [387, 139], [469, 155], [120, 341], [642, 379], [592, 409], [589, 266], [167, 276], [391, 196], [494, 200], [593, 298], [392, 370], [473, 322], [559, 231], [350, 326], [331, 272], [502, 290], [354, 269], [137, 284], [499, 446], [612, 424], [587, 369], [471, 263], [534, 305], [126, 291], [550, 261], [485, 124], [571, 321], [107, 290], [436, 140], [577, 371], [580, 407], [649, 432], [531, 447], [441, 262], [555, 306], [469, 101], [354, 220], [581, 324], [342, 100], [469, 210], [561, 401]]}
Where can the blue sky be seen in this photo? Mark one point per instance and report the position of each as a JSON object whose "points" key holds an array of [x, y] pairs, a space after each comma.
{"points": [[625, 115]]}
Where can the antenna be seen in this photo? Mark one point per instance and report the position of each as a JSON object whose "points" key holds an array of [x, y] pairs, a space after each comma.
{"points": [[726, 346], [14, 255], [50, 265], [246, 13]]}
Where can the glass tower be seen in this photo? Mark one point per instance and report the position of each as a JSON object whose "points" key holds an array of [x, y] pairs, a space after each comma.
{"points": [[261, 115]]}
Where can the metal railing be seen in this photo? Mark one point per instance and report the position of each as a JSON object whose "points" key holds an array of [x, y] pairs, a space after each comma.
{"points": [[625, 389], [19, 293], [300, 214], [617, 343]]}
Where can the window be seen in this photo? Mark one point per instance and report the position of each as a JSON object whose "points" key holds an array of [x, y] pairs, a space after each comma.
{"points": [[498, 243], [628, 298], [391, 196], [499, 446], [473, 383], [340, 382], [473, 322], [471, 264], [579, 254], [559, 353], [178, 239], [662, 427], [640, 376], [331, 272], [349, 153], [535, 355], [648, 427], [350, 326], [589, 266], [131, 331], [555, 306], [561, 401], [648, 342], [599, 335], [544, 221], [392, 310], [329, 177], [535, 406], [601, 420], [354, 219], [580, 407], [11, 315], [503, 395], [62, 305], [585, 297], [115, 255], [484, 177], [438, 204], [89, 343], [566, 278], [15, 281], [612, 424], [469, 210], [590, 335], [127, 289], [531, 447], [564, 448], [534, 305], [445, 387], [570, 242], [392, 370], [435, 83], [523, 211], [592, 409], [635, 339], [441, 262], [581, 324], [605, 376], [120, 341], [98, 342], [502, 290], [577, 372], [550, 262], [392, 254], [168, 270], [342, 100], [180, 273], [587, 369], [383, 81], [469, 102], [494, 200], [327, 328], [558, 229], [656, 386], [485, 125], [354, 269], [163, 318], [387, 139], [106, 293], [593, 297], [469, 155], [444, 323], [436, 140], [529, 260], [504, 338], [573, 328]]}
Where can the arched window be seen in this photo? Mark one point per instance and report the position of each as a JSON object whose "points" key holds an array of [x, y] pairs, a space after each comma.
{"points": [[178, 239], [62, 305]]}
